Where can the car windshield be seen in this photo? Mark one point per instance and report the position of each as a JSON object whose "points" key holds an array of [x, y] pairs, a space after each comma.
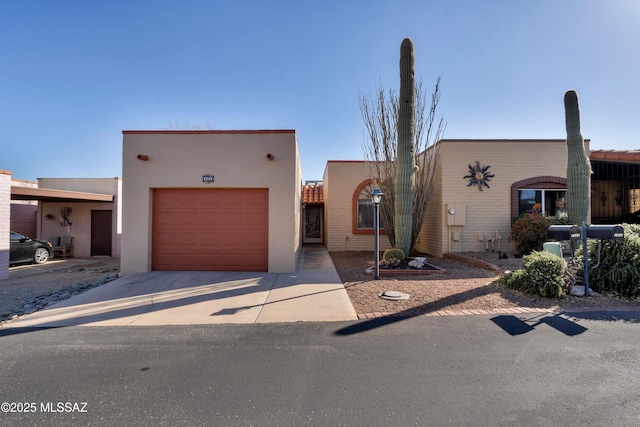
{"points": [[17, 236]]}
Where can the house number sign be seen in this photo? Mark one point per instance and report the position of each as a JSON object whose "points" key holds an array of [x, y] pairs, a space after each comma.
{"points": [[207, 178]]}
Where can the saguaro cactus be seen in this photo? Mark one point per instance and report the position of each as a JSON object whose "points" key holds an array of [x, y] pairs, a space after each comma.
{"points": [[405, 161], [578, 166]]}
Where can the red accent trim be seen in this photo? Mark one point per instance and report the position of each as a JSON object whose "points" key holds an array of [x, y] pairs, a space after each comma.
{"points": [[214, 132], [346, 161], [546, 182], [475, 262], [506, 140], [354, 212], [615, 155]]}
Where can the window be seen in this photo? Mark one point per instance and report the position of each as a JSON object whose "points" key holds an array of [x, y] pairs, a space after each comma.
{"points": [[546, 191], [365, 207], [543, 201], [363, 212]]}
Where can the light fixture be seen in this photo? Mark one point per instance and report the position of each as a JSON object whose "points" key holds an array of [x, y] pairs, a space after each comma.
{"points": [[376, 197]]}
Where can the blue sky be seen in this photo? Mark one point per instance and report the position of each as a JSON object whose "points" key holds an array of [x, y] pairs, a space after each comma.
{"points": [[76, 73]]}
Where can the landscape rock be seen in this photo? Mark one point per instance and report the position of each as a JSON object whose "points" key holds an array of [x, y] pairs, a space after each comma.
{"points": [[417, 262]]}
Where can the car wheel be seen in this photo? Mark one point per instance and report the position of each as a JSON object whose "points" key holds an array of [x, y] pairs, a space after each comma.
{"points": [[41, 256]]}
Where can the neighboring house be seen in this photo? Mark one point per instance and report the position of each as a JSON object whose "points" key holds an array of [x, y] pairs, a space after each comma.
{"points": [[527, 174], [211, 200], [87, 209], [24, 212], [615, 187], [91, 206]]}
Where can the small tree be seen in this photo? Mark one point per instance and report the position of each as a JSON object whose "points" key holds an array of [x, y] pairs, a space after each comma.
{"points": [[380, 114]]}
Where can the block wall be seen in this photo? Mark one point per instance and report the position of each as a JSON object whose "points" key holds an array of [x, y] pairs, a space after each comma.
{"points": [[5, 221], [488, 212], [341, 179]]}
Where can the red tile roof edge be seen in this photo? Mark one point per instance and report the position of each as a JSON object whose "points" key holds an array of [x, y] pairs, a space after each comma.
{"points": [[616, 155], [312, 194]]}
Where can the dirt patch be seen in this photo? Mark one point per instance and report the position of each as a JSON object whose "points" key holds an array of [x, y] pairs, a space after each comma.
{"points": [[461, 287], [18, 292]]}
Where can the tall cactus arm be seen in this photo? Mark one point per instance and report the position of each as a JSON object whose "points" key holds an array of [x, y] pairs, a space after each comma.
{"points": [[405, 171], [578, 166]]}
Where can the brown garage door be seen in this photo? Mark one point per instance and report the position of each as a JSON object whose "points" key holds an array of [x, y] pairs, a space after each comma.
{"points": [[210, 229]]}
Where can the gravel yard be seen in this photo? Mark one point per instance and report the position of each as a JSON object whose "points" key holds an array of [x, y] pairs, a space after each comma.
{"points": [[31, 293], [461, 287]]}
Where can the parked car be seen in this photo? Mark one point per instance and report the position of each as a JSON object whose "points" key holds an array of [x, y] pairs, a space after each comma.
{"points": [[24, 249]]}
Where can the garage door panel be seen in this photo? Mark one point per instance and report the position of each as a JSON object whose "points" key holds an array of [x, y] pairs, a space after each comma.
{"points": [[165, 218], [236, 199], [164, 240], [210, 229], [234, 260], [255, 218], [188, 219], [254, 239]]}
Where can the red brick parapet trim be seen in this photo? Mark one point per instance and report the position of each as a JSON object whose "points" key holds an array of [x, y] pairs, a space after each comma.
{"points": [[475, 262], [569, 312], [438, 313], [401, 272]]}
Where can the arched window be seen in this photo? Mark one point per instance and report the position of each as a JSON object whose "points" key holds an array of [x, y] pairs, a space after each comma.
{"points": [[362, 208], [541, 194]]}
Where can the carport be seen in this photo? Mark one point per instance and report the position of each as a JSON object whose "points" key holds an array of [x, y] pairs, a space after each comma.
{"points": [[55, 197]]}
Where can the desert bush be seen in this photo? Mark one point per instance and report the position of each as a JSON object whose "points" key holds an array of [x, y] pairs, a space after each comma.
{"points": [[393, 254], [542, 273], [529, 233], [619, 269]]}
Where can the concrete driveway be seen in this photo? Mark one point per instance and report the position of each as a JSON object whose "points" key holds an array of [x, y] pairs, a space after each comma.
{"points": [[314, 293]]}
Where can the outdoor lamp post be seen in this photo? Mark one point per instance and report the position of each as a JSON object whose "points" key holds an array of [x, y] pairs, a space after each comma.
{"points": [[376, 197]]}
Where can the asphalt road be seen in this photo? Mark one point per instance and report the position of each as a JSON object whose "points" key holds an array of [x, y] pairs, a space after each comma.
{"points": [[538, 370]]}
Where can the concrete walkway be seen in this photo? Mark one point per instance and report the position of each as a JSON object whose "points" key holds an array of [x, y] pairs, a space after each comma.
{"points": [[314, 293]]}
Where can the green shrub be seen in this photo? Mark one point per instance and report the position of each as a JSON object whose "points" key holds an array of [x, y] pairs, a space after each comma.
{"points": [[542, 273], [393, 253], [619, 269], [529, 233]]}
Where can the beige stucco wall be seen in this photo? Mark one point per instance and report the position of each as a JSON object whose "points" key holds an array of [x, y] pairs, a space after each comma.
{"points": [[430, 236], [236, 159], [81, 213], [340, 181], [487, 211]]}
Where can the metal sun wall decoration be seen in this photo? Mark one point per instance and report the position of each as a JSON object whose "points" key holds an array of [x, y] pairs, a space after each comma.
{"points": [[479, 176]]}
